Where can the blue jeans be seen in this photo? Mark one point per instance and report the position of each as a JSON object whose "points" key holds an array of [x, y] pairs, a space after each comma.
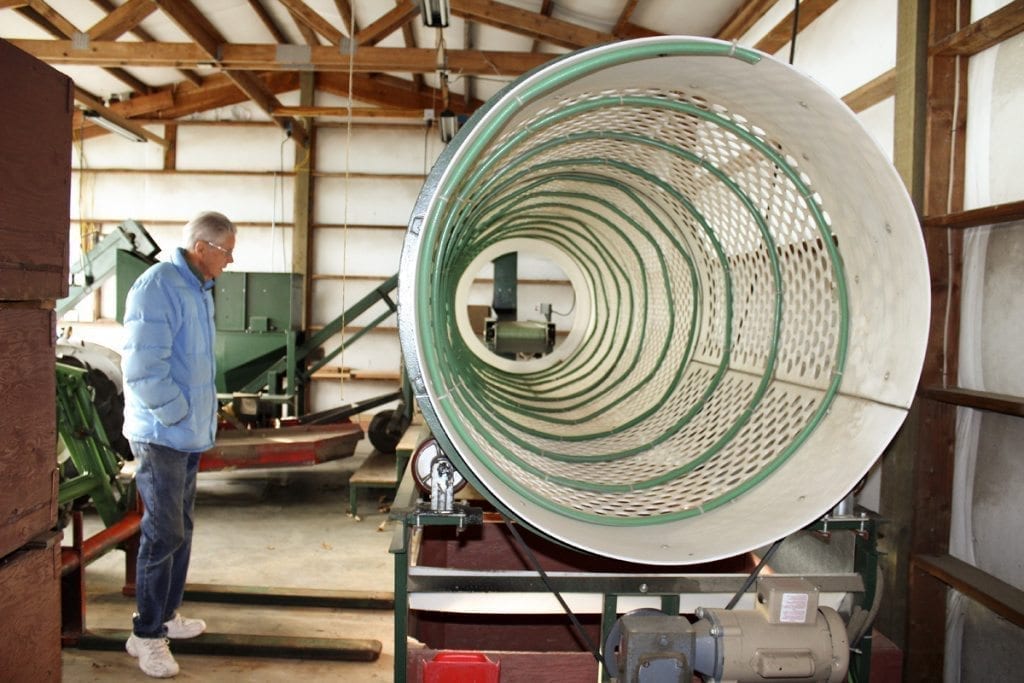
{"points": [[166, 480]]}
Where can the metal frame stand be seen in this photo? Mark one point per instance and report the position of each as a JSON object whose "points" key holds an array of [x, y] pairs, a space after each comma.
{"points": [[664, 589]]}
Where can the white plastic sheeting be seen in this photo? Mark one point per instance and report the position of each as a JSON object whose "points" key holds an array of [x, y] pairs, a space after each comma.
{"points": [[989, 473]]}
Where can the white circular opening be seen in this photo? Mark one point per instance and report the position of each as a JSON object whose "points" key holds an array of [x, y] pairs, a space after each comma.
{"points": [[541, 267]]}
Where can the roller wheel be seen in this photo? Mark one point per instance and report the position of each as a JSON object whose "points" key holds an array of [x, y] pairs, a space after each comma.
{"points": [[386, 429]]}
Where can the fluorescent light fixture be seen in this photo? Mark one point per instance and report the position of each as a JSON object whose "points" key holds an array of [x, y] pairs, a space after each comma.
{"points": [[449, 124], [103, 122], [435, 13]]}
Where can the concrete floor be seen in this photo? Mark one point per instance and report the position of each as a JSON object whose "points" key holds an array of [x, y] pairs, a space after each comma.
{"points": [[268, 528]]}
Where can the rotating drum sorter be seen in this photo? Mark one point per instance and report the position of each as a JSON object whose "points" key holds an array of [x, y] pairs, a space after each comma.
{"points": [[751, 300]]}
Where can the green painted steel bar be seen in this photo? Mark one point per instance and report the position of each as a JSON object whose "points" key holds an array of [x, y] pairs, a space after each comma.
{"points": [[287, 363], [348, 341], [379, 294]]}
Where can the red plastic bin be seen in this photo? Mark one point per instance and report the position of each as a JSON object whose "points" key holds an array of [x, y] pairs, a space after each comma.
{"points": [[461, 667]]}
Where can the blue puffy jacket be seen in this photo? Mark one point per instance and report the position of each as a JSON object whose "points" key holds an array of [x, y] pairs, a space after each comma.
{"points": [[170, 393]]}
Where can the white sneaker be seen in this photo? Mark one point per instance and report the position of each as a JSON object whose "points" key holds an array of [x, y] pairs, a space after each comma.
{"points": [[155, 658], [182, 627]]}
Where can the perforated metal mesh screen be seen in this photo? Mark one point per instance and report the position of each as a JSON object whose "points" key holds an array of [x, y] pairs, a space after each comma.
{"points": [[718, 300]]}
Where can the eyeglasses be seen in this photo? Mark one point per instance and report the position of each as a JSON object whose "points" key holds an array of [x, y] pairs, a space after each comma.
{"points": [[226, 252]]}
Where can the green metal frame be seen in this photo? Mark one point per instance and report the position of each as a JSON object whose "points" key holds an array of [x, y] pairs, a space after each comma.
{"points": [[405, 513], [83, 435], [105, 258], [292, 368], [865, 563]]}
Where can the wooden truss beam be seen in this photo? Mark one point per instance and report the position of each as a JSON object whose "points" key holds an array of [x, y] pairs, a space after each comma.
{"points": [[256, 57], [142, 34], [397, 96], [872, 92], [303, 13], [268, 21], [347, 18], [1004, 23], [211, 42], [744, 18], [56, 25], [122, 20], [388, 23], [782, 32], [530, 24]]}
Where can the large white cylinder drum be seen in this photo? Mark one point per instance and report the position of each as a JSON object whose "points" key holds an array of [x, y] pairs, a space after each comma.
{"points": [[751, 300]]}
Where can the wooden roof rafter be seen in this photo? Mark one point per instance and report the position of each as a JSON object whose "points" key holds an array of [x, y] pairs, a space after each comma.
{"points": [[268, 21], [195, 25], [265, 57], [782, 33], [334, 43], [51, 21], [217, 91], [388, 23], [530, 24], [1004, 23], [390, 91], [744, 18], [141, 34], [121, 20], [622, 23], [409, 36], [185, 99], [304, 15], [347, 15]]}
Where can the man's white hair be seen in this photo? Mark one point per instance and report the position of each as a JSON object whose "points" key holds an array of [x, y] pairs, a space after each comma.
{"points": [[209, 226]]}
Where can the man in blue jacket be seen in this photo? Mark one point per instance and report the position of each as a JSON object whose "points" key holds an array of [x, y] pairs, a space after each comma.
{"points": [[170, 419]]}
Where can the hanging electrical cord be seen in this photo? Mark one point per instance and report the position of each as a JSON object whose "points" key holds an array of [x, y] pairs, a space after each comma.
{"points": [[572, 307], [950, 185], [348, 192], [299, 167], [82, 166], [426, 146], [753, 575], [88, 231], [580, 631], [277, 193], [796, 29]]}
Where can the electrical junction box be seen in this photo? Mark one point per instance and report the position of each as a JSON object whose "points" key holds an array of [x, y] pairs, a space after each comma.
{"points": [[657, 648], [787, 600]]}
